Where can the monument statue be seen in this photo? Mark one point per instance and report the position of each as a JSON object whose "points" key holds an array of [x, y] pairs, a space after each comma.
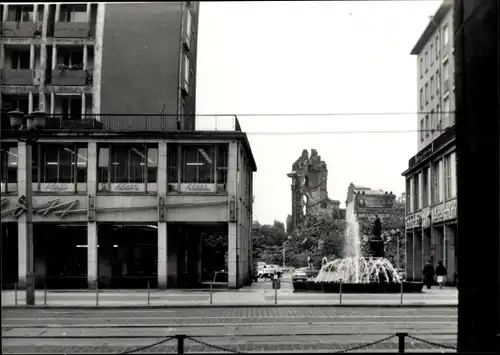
{"points": [[376, 241]]}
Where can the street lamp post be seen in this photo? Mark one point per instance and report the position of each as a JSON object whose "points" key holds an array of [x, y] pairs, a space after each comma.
{"points": [[28, 129]]}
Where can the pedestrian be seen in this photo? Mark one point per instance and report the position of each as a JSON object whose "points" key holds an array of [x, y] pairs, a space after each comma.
{"points": [[440, 273], [428, 273]]}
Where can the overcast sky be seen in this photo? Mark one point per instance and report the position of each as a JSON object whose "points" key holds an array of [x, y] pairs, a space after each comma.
{"points": [[315, 58]]}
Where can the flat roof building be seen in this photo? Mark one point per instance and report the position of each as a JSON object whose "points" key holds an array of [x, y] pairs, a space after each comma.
{"points": [[130, 187], [431, 182]]}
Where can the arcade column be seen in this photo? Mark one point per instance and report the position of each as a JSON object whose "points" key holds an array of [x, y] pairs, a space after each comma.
{"points": [[418, 262], [409, 267], [476, 32], [22, 226], [232, 225], [162, 220], [427, 246], [438, 244], [92, 233], [449, 259]]}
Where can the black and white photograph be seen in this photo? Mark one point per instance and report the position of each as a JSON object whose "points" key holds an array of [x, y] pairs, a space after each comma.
{"points": [[249, 177]]}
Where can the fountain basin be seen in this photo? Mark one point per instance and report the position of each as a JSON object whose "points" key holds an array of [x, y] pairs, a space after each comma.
{"points": [[334, 287]]}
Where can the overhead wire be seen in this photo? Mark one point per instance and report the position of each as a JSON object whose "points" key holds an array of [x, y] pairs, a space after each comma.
{"points": [[338, 114]]}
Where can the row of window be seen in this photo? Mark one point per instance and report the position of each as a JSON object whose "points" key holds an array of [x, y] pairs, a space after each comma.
{"points": [[432, 87], [187, 45], [434, 120], [434, 184], [67, 163], [432, 52], [67, 13], [67, 57]]}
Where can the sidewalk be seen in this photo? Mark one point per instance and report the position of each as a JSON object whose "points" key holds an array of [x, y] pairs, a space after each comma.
{"points": [[245, 297]]}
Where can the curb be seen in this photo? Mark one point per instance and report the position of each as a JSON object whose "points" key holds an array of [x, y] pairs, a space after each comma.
{"points": [[124, 307]]}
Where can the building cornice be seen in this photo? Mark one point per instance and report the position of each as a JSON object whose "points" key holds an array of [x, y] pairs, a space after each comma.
{"points": [[431, 150], [432, 26]]}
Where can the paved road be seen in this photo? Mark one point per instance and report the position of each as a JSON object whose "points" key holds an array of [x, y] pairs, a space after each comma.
{"points": [[256, 329]]}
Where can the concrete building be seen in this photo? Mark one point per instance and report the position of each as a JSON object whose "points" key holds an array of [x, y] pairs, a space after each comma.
{"points": [[72, 59], [128, 183], [431, 182]]}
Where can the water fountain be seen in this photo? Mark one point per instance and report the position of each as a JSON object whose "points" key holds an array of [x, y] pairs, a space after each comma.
{"points": [[357, 274]]}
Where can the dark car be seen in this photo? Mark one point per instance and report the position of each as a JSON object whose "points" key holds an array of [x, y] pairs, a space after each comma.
{"points": [[304, 273], [311, 272]]}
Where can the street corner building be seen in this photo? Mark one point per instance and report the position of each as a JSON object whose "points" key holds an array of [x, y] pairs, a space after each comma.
{"points": [[128, 182], [431, 177]]}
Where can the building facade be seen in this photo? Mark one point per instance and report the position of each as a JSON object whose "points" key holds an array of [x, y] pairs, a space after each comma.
{"points": [[431, 182], [71, 60], [363, 205], [90, 185], [128, 182]]}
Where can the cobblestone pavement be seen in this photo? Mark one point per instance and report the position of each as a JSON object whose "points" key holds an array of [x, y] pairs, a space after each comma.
{"points": [[296, 329]]}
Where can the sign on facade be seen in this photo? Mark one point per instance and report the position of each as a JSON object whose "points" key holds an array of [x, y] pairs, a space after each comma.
{"points": [[57, 187], [195, 187], [127, 187], [418, 220], [445, 212]]}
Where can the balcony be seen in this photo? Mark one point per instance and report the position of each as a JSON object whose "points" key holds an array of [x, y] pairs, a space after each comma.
{"points": [[21, 29], [137, 123], [71, 77], [17, 76], [72, 30]]}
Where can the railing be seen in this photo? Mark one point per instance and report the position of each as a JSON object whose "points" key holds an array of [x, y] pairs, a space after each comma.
{"points": [[137, 123], [194, 345], [209, 293]]}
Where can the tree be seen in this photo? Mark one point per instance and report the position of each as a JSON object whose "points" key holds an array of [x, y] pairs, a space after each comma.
{"points": [[268, 241], [214, 250], [319, 235]]}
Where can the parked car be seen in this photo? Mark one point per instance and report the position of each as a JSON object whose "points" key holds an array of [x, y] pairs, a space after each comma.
{"points": [[299, 275], [267, 272], [311, 272]]}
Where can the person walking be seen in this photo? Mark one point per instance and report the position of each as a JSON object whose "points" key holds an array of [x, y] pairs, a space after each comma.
{"points": [[428, 273], [440, 273]]}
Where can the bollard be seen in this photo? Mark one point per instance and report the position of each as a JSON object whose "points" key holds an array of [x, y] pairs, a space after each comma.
{"points": [[211, 292], [15, 294], [401, 291], [180, 343], [45, 295], [97, 292], [340, 292], [149, 296], [401, 342]]}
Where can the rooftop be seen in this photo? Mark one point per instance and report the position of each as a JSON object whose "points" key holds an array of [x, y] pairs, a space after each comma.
{"points": [[433, 25], [147, 126]]}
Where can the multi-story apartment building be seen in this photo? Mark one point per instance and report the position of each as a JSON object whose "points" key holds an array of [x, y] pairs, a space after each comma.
{"points": [[431, 183], [127, 181], [79, 59]]}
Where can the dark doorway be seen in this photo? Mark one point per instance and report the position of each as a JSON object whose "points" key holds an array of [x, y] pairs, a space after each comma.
{"points": [[9, 246], [196, 251], [128, 256], [60, 255]]}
